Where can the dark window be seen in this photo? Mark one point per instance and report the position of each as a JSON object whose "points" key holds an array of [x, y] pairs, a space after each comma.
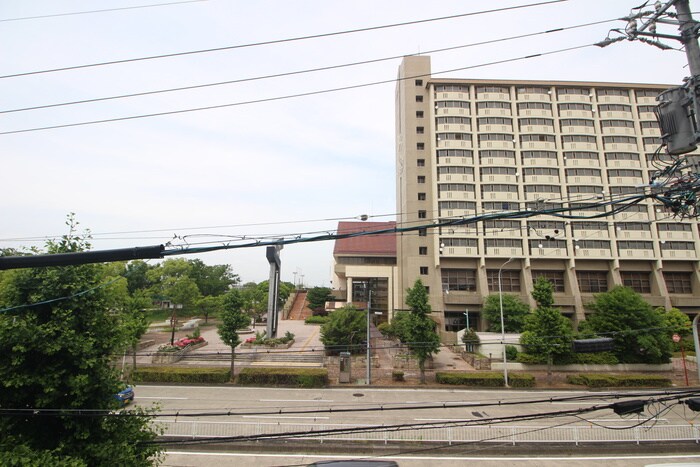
{"points": [[510, 280], [576, 122], [581, 155], [613, 92], [534, 106], [419, 98], [614, 108], [419, 82], [575, 106], [421, 178], [454, 153], [592, 281], [452, 87], [424, 270], [492, 105], [420, 146], [539, 155], [637, 281], [422, 250], [574, 91], [578, 139], [635, 245], [542, 138], [468, 242], [647, 93], [500, 89], [678, 246], [556, 278], [421, 196], [678, 282], [458, 279], [420, 130], [619, 139], [419, 114], [452, 104], [675, 227], [616, 123], [621, 156], [451, 119], [422, 214], [422, 232], [420, 162]]}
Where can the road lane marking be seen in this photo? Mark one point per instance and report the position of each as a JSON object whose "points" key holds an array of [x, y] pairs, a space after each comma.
{"points": [[295, 400], [165, 398], [277, 416]]}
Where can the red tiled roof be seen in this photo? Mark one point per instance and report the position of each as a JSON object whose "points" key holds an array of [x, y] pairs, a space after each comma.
{"points": [[379, 245]]}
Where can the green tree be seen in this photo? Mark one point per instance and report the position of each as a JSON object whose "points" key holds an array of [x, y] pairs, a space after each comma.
{"points": [[547, 331], [232, 320], [317, 297], [422, 337], [470, 339], [345, 330], [514, 313], [212, 280], [254, 300], [677, 322], [209, 305], [59, 330], [136, 273], [637, 329]]}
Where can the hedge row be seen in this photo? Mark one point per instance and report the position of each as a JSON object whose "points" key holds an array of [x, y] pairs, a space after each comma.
{"points": [[601, 358], [295, 377], [596, 380], [482, 379], [177, 374]]}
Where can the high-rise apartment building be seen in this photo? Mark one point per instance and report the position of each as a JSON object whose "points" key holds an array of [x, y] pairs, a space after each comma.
{"points": [[466, 147]]}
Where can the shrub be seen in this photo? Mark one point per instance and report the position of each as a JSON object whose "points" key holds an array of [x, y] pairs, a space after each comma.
{"points": [[316, 319], [385, 329], [397, 375], [598, 358], [511, 353], [596, 380], [482, 379], [295, 377], [177, 374], [530, 359]]}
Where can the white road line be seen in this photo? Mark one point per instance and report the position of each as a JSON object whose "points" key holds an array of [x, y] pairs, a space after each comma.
{"points": [[453, 458], [165, 398], [277, 416], [295, 400]]}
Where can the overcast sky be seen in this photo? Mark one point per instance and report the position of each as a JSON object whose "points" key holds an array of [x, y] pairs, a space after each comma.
{"points": [[286, 163]]}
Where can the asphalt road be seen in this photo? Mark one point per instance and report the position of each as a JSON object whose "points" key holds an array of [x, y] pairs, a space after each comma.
{"points": [[291, 407]]}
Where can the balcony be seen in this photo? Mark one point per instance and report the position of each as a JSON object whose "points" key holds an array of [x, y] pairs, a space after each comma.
{"points": [[455, 144], [578, 130], [539, 145], [454, 111], [459, 297], [617, 114], [636, 254], [494, 113], [459, 251], [546, 179], [614, 99], [617, 130], [672, 235], [576, 114], [456, 178], [548, 252], [457, 195], [679, 254], [633, 235], [584, 180], [496, 128], [454, 127], [538, 129], [504, 252], [498, 161], [493, 96], [593, 253], [582, 162], [620, 147], [536, 161], [579, 146], [535, 113], [455, 161]]}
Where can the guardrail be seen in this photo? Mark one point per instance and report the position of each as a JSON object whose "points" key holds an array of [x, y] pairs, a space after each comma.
{"points": [[574, 434]]}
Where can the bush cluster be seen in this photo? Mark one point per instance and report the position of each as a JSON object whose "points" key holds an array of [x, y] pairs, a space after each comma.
{"points": [[596, 380], [177, 374], [602, 358], [316, 319], [295, 377], [482, 379]]}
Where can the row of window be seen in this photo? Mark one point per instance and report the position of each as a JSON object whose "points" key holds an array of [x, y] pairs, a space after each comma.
{"points": [[564, 122], [590, 244], [545, 138], [536, 206], [558, 226], [544, 154], [588, 281], [620, 92], [522, 106]]}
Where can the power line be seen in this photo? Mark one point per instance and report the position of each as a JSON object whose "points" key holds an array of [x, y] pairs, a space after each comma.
{"points": [[308, 70], [24, 18], [291, 96], [281, 41]]}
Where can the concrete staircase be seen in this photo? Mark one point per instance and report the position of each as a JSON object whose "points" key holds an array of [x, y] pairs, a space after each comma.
{"points": [[299, 309]]}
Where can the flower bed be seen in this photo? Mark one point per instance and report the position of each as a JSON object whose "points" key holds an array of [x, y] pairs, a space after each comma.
{"points": [[173, 353]]}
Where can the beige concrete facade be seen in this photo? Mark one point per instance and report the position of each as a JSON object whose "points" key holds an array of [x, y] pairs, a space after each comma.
{"points": [[467, 147]]}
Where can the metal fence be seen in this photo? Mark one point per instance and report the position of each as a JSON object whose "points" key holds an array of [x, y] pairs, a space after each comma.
{"points": [[574, 434]]}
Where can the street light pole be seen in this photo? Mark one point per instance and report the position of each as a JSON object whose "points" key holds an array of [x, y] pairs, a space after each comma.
{"points": [[503, 330], [369, 355]]}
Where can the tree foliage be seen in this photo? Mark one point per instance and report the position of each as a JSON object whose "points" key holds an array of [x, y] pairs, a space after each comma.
{"points": [[212, 280], [547, 331], [514, 313], [317, 297], [421, 337], [233, 319], [58, 333], [345, 330], [637, 329]]}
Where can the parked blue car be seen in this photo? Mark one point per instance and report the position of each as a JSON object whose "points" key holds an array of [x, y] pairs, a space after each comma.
{"points": [[125, 396]]}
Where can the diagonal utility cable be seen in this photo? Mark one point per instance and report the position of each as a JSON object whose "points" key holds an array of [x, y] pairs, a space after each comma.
{"points": [[25, 18], [281, 41], [290, 96], [309, 70]]}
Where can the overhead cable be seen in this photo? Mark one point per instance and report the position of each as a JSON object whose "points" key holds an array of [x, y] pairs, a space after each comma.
{"points": [[281, 41]]}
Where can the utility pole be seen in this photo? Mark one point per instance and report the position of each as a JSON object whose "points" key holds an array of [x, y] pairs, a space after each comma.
{"points": [[369, 352], [689, 38]]}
